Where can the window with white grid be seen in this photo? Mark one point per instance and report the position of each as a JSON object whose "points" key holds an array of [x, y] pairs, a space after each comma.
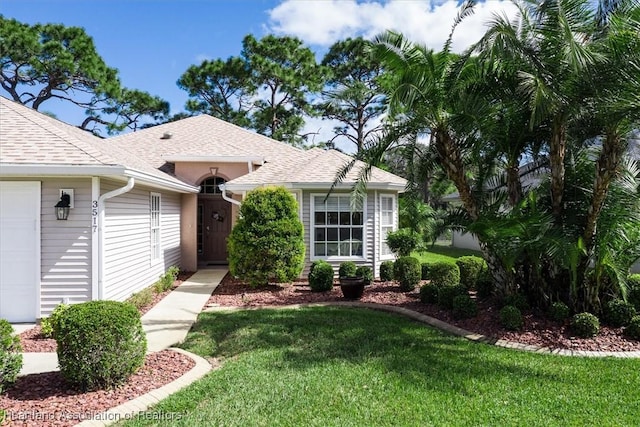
{"points": [[338, 228], [387, 222], [154, 208]]}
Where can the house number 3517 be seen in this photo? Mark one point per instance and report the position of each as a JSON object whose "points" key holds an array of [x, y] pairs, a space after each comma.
{"points": [[94, 215]]}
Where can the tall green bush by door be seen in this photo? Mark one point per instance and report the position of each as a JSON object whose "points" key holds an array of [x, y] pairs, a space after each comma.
{"points": [[100, 344], [267, 243]]}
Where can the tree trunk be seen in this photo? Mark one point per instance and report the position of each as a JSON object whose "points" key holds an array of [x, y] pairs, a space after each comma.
{"points": [[606, 169], [514, 186], [451, 159], [557, 150]]}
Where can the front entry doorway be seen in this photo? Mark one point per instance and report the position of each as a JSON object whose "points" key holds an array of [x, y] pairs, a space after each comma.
{"points": [[214, 226]]}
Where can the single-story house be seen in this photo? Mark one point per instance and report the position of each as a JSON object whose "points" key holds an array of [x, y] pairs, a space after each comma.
{"points": [[167, 195]]}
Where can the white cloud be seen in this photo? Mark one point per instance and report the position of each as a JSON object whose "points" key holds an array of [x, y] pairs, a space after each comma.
{"points": [[323, 22]]}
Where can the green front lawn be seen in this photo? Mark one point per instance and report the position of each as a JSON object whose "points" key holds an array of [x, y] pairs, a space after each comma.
{"points": [[443, 252], [329, 366]]}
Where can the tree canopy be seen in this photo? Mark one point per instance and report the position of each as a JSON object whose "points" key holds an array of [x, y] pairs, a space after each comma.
{"points": [[50, 61]]}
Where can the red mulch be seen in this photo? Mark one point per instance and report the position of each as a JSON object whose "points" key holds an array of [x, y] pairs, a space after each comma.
{"points": [[537, 329], [47, 400]]}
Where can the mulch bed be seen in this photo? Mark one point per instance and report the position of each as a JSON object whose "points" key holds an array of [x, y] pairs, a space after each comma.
{"points": [[47, 400], [537, 329]]}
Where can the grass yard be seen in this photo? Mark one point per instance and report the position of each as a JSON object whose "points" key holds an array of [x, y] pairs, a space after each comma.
{"points": [[330, 366], [443, 252]]}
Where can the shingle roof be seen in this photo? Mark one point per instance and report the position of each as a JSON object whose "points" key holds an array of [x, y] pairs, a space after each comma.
{"points": [[28, 137]]}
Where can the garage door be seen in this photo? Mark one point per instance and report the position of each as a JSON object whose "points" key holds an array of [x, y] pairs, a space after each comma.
{"points": [[19, 250]]}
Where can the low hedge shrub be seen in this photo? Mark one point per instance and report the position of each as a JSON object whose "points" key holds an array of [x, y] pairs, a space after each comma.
{"points": [[464, 307], [425, 270], [618, 312], [484, 285], [446, 294], [511, 318], [444, 273], [516, 300], [386, 271], [633, 330], [633, 282], [100, 344], [585, 325], [429, 293], [10, 356], [321, 276], [470, 269], [347, 269], [558, 311], [407, 272]]}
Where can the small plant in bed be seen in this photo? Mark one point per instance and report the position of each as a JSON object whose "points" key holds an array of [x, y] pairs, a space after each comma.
{"points": [[321, 276], [386, 271], [585, 325], [10, 356], [407, 272]]}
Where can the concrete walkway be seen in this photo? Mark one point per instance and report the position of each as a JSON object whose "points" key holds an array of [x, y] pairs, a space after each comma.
{"points": [[166, 324]]}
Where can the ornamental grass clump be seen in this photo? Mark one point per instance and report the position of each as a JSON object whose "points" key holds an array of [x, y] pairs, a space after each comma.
{"points": [[321, 276], [10, 356], [585, 325], [386, 271], [407, 272], [100, 344]]}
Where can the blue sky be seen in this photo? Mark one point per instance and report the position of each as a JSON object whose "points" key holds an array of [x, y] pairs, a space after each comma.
{"points": [[152, 42]]}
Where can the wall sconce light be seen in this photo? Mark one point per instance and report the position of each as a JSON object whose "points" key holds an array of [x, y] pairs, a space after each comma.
{"points": [[63, 206]]}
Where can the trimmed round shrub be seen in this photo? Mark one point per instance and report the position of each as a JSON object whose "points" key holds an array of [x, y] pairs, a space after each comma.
{"points": [[511, 318], [446, 294], [516, 300], [444, 273], [386, 271], [321, 276], [464, 307], [100, 344], [347, 269], [633, 330], [407, 272], [585, 325], [429, 293], [558, 311], [366, 273], [49, 325], [633, 282], [618, 312], [470, 269], [267, 242], [10, 356], [425, 266], [484, 285]]}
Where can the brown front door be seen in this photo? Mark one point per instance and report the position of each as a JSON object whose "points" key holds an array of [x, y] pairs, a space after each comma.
{"points": [[214, 226]]}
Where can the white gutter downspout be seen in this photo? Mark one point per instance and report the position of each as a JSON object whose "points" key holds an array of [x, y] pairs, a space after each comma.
{"points": [[223, 190], [101, 216]]}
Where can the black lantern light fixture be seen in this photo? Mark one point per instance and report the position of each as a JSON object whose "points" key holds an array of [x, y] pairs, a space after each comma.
{"points": [[62, 207]]}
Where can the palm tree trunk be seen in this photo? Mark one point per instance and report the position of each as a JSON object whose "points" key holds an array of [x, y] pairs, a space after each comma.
{"points": [[606, 168], [451, 159], [557, 150], [514, 186]]}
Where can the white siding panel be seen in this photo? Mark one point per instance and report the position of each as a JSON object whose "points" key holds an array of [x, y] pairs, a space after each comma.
{"points": [[128, 267], [66, 245]]}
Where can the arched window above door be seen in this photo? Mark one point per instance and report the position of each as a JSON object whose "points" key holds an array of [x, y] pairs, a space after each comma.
{"points": [[210, 185]]}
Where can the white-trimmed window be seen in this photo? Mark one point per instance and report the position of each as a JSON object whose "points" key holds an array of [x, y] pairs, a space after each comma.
{"points": [[387, 222], [338, 229], [154, 214]]}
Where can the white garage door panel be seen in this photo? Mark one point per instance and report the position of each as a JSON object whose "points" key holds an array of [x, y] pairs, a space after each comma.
{"points": [[19, 250]]}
